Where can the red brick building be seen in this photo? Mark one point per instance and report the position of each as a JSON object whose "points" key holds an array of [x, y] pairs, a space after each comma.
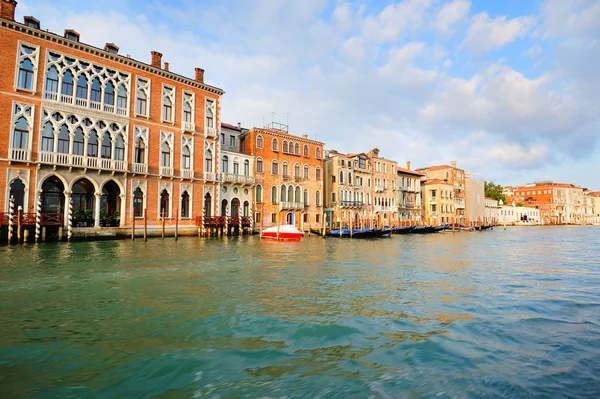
{"points": [[112, 134]]}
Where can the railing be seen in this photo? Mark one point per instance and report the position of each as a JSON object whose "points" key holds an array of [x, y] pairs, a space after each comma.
{"points": [[58, 158], [81, 102], [84, 103], [20, 154], [383, 208], [379, 189], [50, 95], [121, 111], [210, 176], [140, 168], [95, 105], [433, 198], [434, 213], [211, 221], [351, 204], [286, 177], [291, 205], [189, 127], [210, 131], [52, 219], [78, 160], [187, 173], [166, 171], [235, 178], [109, 108], [66, 99]]}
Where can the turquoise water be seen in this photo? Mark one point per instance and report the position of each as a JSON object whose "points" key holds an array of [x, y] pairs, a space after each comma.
{"points": [[493, 314]]}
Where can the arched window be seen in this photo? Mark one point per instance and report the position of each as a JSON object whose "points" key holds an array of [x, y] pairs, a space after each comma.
{"points": [[284, 170], [92, 147], [258, 194], [297, 170], [140, 151], [141, 102], [305, 150], [106, 146], [119, 148], [318, 198], [138, 203], [67, 84], [284, 146], [48, 138], [185, 205], [318, 173], [208, 205], [236, 166], [259, 165], [259, 141], [164, 204], [208, 160], [305, 198], [306, 172], [275, 145], [63, 140], [297, 149], [96, 93], [25, 75], [17, 192], [246, 168], [273, 195], [109, 94], [52, 80], [225, 164], [165, 154], [82, 88], [282, 194], [318, 153], [290, 194], [186, 158], [78, 142], [246, 211], [122, 98], [274, 167], [21, 134]]}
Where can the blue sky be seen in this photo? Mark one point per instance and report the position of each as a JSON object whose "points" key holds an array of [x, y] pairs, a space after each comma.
{"points": [[507, 88]]}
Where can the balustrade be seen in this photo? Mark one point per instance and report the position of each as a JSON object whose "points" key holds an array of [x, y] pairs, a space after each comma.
{"points": [[20, 154], [187, 173]]}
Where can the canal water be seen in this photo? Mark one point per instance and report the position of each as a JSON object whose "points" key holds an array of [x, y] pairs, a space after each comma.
{"points": [[495, 314]]}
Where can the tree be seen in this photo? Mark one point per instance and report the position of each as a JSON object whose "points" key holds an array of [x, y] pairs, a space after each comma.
{"points": [[494, 191]]}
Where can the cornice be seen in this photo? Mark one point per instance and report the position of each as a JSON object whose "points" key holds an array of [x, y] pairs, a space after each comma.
{"points": [[86, 48], [288, 136]]}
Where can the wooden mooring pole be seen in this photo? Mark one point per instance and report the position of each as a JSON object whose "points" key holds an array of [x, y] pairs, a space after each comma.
{"points": [[145, 226], [133, 227], [176, 223]]}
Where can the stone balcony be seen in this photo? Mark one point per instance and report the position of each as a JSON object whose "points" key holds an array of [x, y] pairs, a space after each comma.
{"points": [[189, 127], [84, 103], [382, 208], [294, 206], [210, 131], [58, 158], [237, 178], [19, 155]]}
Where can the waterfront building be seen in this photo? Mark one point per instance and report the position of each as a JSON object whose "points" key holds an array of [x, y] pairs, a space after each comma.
{"points": [[289, 176], [438, 201], [409, 194], [114, 135], [348, 188], [475, 199], [519, 215], [559, 203], [385, 190], [454, 176], [492, 211], [595, 196], [236, 178]]}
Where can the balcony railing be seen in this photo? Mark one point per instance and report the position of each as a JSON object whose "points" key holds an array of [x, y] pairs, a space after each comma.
{"points": [[291, 206], [379, 189], [382, 208], [140, 168], [433, 198], [236, 178], [189, 127], [58, 158], [84, 103], [20, 154], [66, 99], [166, 171], [286, 177], [95, 105], [351, 204], [210, 131], [434, 213], [187, 173], [210, 176]]}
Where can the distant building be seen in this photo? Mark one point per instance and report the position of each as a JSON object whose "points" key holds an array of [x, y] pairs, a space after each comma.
{"points": [[475, 199], [438, 202], [519, 215], [385, 190], [409, 194], [455, 177], [492, 211], [558, 203]]}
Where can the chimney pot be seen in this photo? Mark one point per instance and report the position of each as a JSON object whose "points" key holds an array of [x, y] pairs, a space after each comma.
{"points": [[166, 66], [7, 9], [305, 136], [239, 125], [408, 165], [200, 75], [156, 59]]}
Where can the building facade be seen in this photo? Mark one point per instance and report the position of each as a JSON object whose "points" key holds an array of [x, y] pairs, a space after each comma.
{"points": [[289, 177], [438, 202], [475, 199], [114, 136], [385, 190], [454, 176], [492, 211], [409, 194], [519, 215], [558, 203]]}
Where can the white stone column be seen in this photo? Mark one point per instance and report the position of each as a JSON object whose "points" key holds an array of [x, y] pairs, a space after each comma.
{"points": [[123, 210], [97, 209], [66, 208]]}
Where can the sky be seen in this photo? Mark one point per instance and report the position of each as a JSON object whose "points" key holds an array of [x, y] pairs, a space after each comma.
{"points": [[509, 89]]}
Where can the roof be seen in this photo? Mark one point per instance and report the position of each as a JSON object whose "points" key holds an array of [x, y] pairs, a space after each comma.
{"points": [[232, 127], [285, 134], [434, 181], [437, 167], [408, 171]]}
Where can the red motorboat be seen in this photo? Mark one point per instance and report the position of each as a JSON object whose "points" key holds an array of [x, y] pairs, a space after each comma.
{"points": [[286, 232]]}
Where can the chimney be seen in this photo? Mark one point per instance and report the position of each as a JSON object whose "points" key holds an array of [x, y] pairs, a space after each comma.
{"points": [[166, 68], [305, 136], [453, 163], [7, 9], [156, 59], [408, 165], [239, 125], [200, 75]]}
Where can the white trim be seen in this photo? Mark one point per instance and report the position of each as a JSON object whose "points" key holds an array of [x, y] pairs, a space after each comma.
{"points": [[190, 190], [12, 175], [170, 95], [34, 58], [147, 89], [192, 103], [169, 187]]}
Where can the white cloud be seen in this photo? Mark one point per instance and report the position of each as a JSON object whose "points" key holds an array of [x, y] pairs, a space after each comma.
{"points": [[518, 156], [534, 51], [449, 15], [394, 20], [486, 34]]}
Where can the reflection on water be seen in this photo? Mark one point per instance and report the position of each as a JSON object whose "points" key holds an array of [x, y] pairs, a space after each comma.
{"points": [[501, 313]]}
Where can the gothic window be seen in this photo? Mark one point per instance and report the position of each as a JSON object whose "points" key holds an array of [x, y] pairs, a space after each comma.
{"points": [[188, 107], [210, 113], [48, 138], [78, 142], [168, 104], [284, 146], [282, 194], [63, 139], [297, 170], [318, 153], [306, 173], [259, 141], [259, 165], [186, 158], [96, 93], [122, 100], [52, 80], [273, 195], [82, 87], [318, 173], [165, 155], [208, 160], [140, 151], [164, 204], [142, 96], [27, 62], [138, 203], [185, 205], [67, 84], [297, 149], [22, 129], [119, 148], [17, 192], [106, 146], [92, 144], [21, 134]]}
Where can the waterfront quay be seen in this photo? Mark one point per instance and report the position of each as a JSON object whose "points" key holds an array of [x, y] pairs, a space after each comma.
{"points": [[495, 314]]}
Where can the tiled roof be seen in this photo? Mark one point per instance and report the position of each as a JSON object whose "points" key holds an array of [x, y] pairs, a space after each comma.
{"points": [[411, 172], [228, 126]]}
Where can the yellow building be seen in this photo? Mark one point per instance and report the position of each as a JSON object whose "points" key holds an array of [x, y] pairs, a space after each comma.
{"points": [[438, 201]]}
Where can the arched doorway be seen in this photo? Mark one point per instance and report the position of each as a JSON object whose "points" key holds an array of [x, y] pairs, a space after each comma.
{"points": [[208, 205], [17, 192], [53, 195], [138, 203], [185, 205], [110, 203], [235, 207], [289, 218], [224, 207], [164, 204], [83, 203]]}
